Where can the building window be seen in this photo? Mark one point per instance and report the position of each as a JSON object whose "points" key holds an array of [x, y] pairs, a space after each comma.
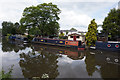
{"points": [[77, 37], [71, 36]]}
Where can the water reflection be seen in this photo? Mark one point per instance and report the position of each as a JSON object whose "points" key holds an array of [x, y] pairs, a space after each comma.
{"points": [[8, 45], [71, 53], [109, 63], [36, 64], [60, 62], [90, 63]]}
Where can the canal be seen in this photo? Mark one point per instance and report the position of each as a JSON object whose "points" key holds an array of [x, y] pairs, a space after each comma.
{"points": [[34, 60]]}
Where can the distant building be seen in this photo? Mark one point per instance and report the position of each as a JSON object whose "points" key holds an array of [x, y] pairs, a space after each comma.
{"points": [[119, 5], [82, 33], [69, 31], [72, 32]]}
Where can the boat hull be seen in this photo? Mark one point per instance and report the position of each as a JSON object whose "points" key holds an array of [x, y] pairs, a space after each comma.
{"points": [[112, 46]]}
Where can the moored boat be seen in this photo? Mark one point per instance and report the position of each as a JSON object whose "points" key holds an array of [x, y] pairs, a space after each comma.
{"points": [[59, 42], [18, 38], [110, 45]]}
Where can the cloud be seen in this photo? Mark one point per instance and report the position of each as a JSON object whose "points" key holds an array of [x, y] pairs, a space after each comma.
{"points": [[11, 10], [71, 19], [80, 0], [77, 13]]}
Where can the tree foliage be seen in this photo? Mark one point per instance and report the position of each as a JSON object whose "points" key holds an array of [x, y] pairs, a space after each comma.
{"points": [[10, 28], [43, 16], [91, 36], [7, 28], [111, 24], [34, 31]]}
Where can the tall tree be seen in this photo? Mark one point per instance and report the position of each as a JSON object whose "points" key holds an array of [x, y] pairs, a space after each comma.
{"points": [[91, 36], [111, 24], [44, 16]]}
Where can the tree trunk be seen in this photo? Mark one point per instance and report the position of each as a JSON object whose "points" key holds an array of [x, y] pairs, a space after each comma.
{"points": [[106, 37]]}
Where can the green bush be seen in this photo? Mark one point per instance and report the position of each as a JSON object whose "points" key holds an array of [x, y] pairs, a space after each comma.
{"points": [[4, 74]]}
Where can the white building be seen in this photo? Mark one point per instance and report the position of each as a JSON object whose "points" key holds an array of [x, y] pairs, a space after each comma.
{"points": [[72, 32], [76, 37]]}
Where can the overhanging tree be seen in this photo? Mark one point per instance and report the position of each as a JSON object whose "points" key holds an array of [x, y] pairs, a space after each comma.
{"points": [[43, 16], [91, 36], [111, 25]]}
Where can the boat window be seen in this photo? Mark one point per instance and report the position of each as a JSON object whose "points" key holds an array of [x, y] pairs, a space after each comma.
{"points": [[77, 37], [25, 39], [45, 40], [71, 36]]}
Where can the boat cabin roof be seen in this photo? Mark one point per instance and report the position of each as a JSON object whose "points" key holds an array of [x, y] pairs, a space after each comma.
{"points": [[75, 34]]}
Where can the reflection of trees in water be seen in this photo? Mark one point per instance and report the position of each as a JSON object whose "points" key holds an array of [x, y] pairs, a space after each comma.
{"points": [[110, 71], [108, 67], [8, 45], [106, 70], [36, 64], [90, 63]]}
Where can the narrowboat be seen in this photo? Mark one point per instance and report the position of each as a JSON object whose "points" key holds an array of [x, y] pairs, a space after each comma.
{"points": [[18, 38], [60, 42], [110, 45], [74, 41]]}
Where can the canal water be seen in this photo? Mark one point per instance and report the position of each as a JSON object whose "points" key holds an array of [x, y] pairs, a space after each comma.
{"points": [[35, 60]]}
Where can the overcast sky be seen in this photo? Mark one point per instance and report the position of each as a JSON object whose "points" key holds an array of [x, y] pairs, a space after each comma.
{"points": [[75, 13]]}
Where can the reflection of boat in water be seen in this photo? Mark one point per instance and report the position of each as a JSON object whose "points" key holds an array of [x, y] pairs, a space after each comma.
{"points": [[11, 45], [72, 53]]}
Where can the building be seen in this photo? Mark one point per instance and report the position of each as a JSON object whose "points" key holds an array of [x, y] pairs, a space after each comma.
{"points": [[72, 32], [82, 33], [119, 5], [69, 32], [76, 37]]}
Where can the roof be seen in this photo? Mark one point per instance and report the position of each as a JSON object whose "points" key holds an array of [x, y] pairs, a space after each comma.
{"points": [[74, 34], [81, 32], [68, 30]]}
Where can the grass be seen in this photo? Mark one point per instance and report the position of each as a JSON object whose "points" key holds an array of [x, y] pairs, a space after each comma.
{"points": [[4, 75]]}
